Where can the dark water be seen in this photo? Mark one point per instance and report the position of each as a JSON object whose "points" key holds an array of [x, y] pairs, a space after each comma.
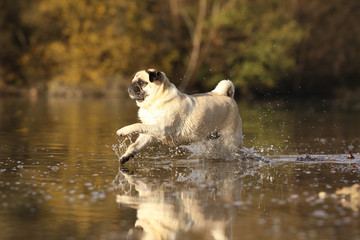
{"points": [[60, 179]]}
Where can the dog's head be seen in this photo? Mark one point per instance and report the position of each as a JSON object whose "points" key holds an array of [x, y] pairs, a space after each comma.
{"points": [[145, 84]]}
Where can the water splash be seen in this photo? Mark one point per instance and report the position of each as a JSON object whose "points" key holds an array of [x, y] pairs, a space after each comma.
{"points": [[121, 147], [216, 150], [203, 150]]}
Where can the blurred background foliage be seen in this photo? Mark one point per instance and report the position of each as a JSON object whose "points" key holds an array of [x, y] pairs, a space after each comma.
{"points": [[307, 47]]}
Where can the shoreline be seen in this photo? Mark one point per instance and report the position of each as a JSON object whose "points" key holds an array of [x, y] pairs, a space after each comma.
{"points": [[346, 100]]}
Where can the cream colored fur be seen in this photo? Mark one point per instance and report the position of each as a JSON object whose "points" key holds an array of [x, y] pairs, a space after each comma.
{"points": [[176, 118]]}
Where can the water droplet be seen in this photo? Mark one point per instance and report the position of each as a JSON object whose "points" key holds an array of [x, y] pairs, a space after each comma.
{"points": [[55, 168], [320, 214]]}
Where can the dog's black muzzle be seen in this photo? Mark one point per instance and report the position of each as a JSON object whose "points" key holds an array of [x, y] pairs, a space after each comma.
{"points": [[135, 92]]}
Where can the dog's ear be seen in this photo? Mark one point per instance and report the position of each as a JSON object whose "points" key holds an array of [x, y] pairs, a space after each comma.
{"points": [[154, 75]]}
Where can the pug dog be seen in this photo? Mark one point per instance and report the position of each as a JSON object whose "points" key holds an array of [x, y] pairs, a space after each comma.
{"points": [[175, 118]]}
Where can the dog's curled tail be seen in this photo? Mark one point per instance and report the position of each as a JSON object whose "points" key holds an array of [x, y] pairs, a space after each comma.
{"points": [[225, 87]]}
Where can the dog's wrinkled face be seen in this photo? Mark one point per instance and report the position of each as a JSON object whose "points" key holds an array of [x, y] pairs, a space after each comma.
{"points": [[143, 84]]}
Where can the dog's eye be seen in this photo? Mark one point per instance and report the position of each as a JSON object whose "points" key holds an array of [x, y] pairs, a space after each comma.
{"points": [[142, 83]]}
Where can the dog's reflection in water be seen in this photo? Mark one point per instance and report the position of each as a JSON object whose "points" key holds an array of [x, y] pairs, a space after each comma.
{"points": [[185, 204]]}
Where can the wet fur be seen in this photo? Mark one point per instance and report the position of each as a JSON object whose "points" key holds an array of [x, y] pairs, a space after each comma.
{"points": [[176, 118]]}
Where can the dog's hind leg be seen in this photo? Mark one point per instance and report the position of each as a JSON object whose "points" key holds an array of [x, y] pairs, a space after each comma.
{"points": [[141, 142]]}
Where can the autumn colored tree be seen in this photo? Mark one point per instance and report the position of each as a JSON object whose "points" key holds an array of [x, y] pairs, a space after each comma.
{"points": [[250, 42], [261, 44], [85, 42], [13, 41]]}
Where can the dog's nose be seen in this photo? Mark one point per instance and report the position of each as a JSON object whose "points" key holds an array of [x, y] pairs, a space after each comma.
{"points": [[134, 88]]}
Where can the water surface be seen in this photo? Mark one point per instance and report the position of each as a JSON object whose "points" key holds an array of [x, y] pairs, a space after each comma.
{"points": [[60, 179]]}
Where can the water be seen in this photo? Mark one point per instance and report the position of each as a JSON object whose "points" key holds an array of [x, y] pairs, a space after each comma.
{"points": [[60, 179]]}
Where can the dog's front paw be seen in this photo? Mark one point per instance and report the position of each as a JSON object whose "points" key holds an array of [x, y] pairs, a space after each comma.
{"points": [[134, 128], [124, 159], [124, 131], [119, 133]]}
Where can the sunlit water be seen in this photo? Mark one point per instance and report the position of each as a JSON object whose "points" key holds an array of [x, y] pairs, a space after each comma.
{"points": [[60, 177]]}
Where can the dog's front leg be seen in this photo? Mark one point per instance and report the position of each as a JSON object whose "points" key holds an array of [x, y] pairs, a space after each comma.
{"points": [[141, 142], [133, 128], [140, 128]]}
